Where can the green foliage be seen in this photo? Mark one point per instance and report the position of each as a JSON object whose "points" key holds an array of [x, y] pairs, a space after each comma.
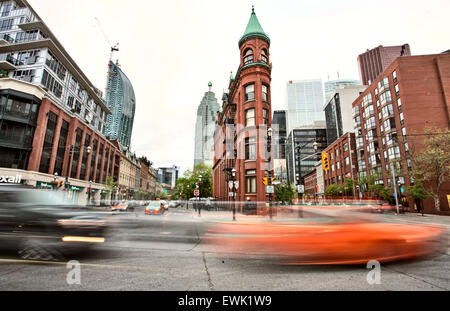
{"points": [[432, 165], [383, 192], [334, 190], [185, 186], [348, 186], [417, 191], [110, 184], [284, 193]]}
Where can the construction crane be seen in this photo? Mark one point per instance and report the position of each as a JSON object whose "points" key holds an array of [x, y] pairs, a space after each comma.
{"points": [[113, 48]]}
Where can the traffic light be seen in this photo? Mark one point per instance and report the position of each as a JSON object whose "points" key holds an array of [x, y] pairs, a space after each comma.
{"points": [[325, 161], [265, 181], [59, 184]]}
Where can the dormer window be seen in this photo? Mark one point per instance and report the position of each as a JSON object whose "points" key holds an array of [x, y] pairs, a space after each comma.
{"points": [[248, 56], [264, 55]]}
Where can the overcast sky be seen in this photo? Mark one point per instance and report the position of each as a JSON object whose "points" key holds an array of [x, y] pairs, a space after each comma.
{"points": [[170, 50]]}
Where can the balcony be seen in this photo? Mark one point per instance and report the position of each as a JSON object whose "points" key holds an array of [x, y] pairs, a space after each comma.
{"points": [[7, 62], [6, 39]]}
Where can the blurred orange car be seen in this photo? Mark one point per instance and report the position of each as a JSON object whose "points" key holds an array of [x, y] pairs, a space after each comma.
{"points": [[155, 208], [335, 242]]}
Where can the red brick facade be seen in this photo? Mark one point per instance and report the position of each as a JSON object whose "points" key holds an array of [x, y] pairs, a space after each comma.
{"points": [[390, 116], [74, 124], [234, 135], [342, 159]]}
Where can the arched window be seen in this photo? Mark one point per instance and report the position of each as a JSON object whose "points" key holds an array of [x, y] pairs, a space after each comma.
{"points": [[248, 56], [264, 55]]}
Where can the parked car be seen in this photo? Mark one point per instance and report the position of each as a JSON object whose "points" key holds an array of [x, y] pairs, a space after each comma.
{"points": [[124, 206], [41, 225]]}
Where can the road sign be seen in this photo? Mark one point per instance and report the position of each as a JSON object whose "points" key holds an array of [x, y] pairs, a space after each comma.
{"points": [[230, 184], [236, 184], [196, 192], [230, 194], [270, 189], [300, 188]]}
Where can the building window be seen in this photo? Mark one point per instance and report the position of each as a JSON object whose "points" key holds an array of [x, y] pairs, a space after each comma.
{"points": [[250, 177], [264, 93], [399, 104], [394, 76], [48, 142], [397, 92], [394, 153], [264, 55], [51, 84], [402, 120], [265, 113], [250, 148], [338, 165], [388, 111], [248, 56], [250, 92], [250, 117]]}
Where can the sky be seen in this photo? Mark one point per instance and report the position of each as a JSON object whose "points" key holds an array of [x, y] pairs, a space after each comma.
{"points": [[171, 49]]}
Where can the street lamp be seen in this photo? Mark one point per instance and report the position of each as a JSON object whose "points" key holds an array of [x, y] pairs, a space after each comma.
{"points": [[69, 164], [54, 180], [198, 197], [269, 179], [89, 192], [233, 174]]}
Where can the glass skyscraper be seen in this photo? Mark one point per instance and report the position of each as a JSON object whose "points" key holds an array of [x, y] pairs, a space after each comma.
{"points": [[121, 101], [204, 129], [305, 103]]}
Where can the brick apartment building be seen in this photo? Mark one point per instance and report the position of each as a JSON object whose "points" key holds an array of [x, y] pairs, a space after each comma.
{"points": [[342, 159], [390, 116], [241, 131], [375, 61]]}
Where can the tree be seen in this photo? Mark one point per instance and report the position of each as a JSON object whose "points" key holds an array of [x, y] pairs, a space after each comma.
{"points": [[284, 193], [110, 185], [432, 165], [334, 190], [185, 186], [348, 186], [418, 192]]}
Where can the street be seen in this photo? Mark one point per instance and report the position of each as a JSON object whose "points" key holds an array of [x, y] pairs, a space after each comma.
{"points": [[164, 252]]}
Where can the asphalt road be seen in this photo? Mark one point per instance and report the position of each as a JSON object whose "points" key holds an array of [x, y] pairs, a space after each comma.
{"points": [[152, 252]]}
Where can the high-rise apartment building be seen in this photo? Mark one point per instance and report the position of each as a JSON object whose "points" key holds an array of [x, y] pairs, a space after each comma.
{"points": [[338, 111], [168, 175], [122, 103], [304, 103], [390, 116], [373, 62], [204, 129]]}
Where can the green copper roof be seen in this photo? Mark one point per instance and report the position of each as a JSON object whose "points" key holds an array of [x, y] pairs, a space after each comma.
{"points": [[254, 30]]}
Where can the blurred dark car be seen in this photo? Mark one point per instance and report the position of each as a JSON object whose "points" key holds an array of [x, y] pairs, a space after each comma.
{"points": [[40, 225]]}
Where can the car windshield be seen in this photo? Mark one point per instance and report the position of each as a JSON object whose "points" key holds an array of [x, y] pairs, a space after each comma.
{"points": [[154, 205]]}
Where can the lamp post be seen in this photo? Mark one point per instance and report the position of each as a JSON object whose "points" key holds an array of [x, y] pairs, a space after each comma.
{"points": [[298, 175], [89, 192], [233, 174], [69, 164], [198, 197], [269, 175], [54, 180]]}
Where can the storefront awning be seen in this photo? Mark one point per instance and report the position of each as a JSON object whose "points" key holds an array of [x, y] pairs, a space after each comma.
{"points": [[75, 188], [45, 185]]}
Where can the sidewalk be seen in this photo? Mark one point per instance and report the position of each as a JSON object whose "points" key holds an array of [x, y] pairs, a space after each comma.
{"points": [[417, 218]]}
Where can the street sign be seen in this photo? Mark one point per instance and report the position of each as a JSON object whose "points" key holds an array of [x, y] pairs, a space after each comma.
{"points": [[196, 192], [236, 184], [300, 188], [270, 189], [230, 194], [230, 184], [276, 182]]}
